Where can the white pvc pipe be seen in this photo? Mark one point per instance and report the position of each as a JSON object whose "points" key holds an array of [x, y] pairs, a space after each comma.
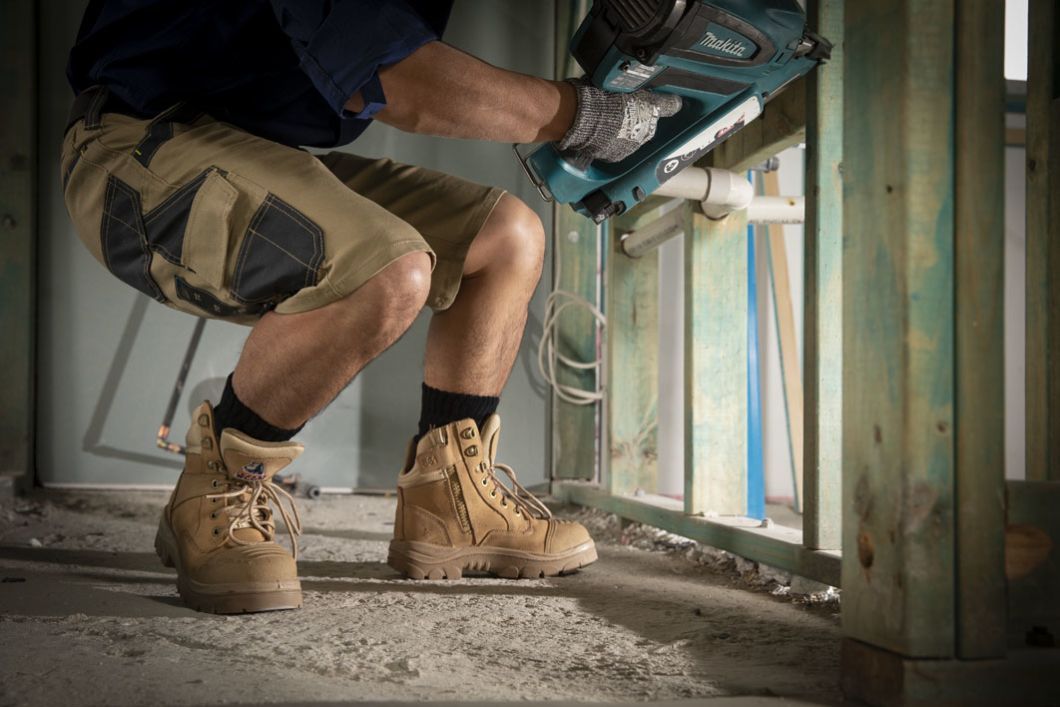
{"points": [[721, 191], [777, 209]]}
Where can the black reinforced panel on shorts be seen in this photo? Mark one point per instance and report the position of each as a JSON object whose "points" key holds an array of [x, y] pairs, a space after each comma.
{"points": [[123, 238], [208, 303], [281, 253], [167, 222]]}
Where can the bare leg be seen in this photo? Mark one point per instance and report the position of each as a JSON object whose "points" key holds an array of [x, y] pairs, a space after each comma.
{"points": [[471, 346], [293, 365]]}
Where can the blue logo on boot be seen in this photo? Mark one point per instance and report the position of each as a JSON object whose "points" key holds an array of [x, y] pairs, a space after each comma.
{"points": [[254, 471]]}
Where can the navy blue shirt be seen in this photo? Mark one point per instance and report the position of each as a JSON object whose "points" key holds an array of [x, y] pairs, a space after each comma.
{"points": [[281, 69]]}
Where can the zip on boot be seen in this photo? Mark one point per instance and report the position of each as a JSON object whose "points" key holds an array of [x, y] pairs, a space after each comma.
{"points": [[454, 514], [217, 529]]}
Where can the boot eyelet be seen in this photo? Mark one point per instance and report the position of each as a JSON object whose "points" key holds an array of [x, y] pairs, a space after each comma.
{"points": [[485, 480], [471, 451], [213, 516], [207, 443], [216, 531], [204, 420], [468, 433], [215, 483], [493, 494]]}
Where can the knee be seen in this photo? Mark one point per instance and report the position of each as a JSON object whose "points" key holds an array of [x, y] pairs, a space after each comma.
{"points": [[401, 290], [519, 240]]}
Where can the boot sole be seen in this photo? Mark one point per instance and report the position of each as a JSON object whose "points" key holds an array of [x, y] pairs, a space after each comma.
{"points": [[233, 598], [418, 560]]}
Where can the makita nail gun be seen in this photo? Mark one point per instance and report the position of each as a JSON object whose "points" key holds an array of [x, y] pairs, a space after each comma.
{"points": [[725, 58]]}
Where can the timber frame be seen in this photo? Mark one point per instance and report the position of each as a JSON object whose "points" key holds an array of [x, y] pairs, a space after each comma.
{"points": [[18, 175], [944, 566]]}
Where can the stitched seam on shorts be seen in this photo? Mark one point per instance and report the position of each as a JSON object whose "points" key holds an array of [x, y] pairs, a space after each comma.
{"points": [[107, 200], [244, 248], [174, 197], [115, 184], [312, 269], [314, 231], [283, 250]]}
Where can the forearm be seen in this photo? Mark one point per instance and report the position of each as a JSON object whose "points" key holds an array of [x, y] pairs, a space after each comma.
{"points": [[439, 90]]}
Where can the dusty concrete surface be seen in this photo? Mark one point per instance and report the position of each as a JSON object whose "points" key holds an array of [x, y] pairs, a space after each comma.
{"points": [[89, 616]]}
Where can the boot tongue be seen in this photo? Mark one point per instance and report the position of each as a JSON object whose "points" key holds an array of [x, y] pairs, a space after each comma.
{"points": [[490, 434], [247, 459]]}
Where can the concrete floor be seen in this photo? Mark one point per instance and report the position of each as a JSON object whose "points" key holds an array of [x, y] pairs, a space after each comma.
{"points": [[89, 616]]}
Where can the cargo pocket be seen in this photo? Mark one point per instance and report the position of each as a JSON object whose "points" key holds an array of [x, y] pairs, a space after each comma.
{"points": [[204, 251], [281, 253]]}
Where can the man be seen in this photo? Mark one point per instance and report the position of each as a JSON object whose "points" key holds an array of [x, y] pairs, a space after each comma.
{"points": [[183, 175]]}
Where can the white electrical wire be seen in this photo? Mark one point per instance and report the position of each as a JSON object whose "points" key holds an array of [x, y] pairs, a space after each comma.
{"points": [[558, 301]]}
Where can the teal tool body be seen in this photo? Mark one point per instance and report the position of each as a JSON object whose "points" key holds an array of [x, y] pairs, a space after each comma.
{"points": [[725, 58]]}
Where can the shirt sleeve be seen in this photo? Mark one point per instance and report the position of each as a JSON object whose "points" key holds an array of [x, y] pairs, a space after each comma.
{"points": [[342, 44]]}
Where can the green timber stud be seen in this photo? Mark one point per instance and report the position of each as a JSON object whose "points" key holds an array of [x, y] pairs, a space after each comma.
{"points": [[18, 123], [716, 267], [823, 289], [776, 546], [923, 529], [632, 289], [782, 124], [577, 243], [979, 255], [1043, 242], [898, 329]]}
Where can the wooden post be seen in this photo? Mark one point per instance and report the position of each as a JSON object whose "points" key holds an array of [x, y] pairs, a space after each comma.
{"points": [[716, 365], [18, 159], [632, 359], [979, 247], [577, 259], [781, 125], [922, 400], [1043, 242], [898, 328], [823, 288]]}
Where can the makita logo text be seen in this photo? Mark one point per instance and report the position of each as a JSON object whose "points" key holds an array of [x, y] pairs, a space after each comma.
{"points": [[725, 46]]}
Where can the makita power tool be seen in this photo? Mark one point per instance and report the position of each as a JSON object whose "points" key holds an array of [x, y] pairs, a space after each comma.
{"points": [[725, 58]]}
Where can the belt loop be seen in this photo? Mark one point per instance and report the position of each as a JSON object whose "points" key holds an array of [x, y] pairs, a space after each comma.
{"points": [[94, 114]]}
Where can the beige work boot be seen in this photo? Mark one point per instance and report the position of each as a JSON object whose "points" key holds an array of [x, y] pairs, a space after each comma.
{"points": [[218, 527], [453, 514]]}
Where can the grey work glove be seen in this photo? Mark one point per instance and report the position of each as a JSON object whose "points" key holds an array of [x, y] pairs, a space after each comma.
{"points": [[612, 126]]}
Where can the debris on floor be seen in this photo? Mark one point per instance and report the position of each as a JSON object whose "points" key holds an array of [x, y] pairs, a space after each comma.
{"points": [[657, 618], [753, 575]]}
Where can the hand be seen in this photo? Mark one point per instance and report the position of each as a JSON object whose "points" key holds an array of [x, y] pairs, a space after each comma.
{"points": [[612, 126]]}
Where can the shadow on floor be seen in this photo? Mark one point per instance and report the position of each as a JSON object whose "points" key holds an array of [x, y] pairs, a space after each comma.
{"points": [[761, 647]]}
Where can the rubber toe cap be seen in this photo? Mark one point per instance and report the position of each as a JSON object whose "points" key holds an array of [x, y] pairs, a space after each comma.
{"points": [[259, 562]]}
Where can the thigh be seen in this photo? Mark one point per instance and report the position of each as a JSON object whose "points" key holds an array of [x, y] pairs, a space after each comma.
{"points": [[447, 211], [211, 220]]}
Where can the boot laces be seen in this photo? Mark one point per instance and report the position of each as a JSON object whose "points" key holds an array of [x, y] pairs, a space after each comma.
{"points": [[521, 498], [253, 510]]}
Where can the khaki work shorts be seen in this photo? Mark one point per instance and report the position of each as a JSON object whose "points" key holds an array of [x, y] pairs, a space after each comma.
{"points": [[216, 222]]}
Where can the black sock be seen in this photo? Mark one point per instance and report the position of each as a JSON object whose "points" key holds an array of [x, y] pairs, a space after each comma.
{"points": [[231, 412], [441, 407]]}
